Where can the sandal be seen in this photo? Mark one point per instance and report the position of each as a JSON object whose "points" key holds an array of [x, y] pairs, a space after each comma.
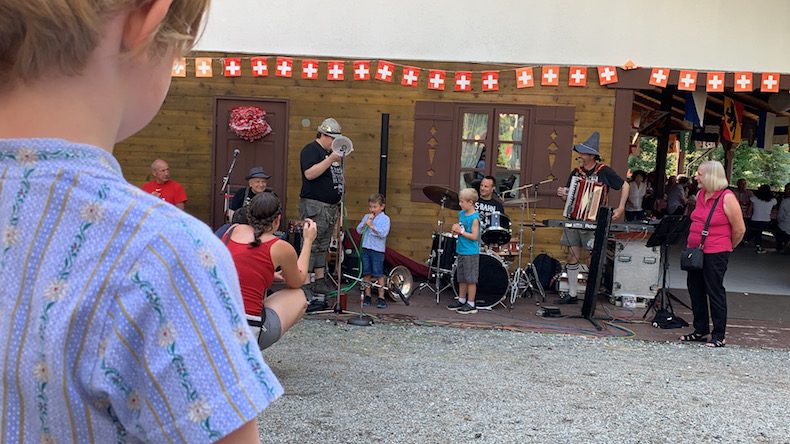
{"points": [[693, 337], [715, 343]]}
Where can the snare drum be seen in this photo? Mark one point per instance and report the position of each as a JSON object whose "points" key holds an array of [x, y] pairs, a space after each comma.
{"points": [[444, 258], [492, 283], [498, 230]]}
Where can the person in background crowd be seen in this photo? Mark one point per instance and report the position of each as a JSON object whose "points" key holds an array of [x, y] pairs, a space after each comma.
{"points": [[783, 223], [744, 197], [163, 187], [676, 195], [763, 202], [725, 232], [636, 193], [125, 324]]}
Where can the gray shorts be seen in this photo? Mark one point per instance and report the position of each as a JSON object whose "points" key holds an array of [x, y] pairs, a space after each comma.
{"points": [[572, 237], [325, 217], [468, 268], [270, 332]]}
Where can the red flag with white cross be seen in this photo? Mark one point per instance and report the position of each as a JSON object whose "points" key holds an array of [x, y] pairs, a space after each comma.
{"points": [[362, 70], [714, 82], [335, 70], [259, 66], [743, 82], [525, 77], [463, 81], [385, 71], [310, 69], [550, 76], [285, 67], [232, 67], [607, 75], [659, 77], [769, 82], [577, 76], [687, 80], [179, 68], [436, 78], [490, 80], [411, 76]]}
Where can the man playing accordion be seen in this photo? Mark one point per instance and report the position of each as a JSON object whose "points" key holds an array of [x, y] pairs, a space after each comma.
{"points": [[585, 192]]}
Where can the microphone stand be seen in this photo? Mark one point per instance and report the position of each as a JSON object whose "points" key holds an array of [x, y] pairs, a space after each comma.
{"points": [[225, 181]]}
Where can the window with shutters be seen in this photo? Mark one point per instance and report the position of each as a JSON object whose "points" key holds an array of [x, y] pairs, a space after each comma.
{"points": [[458, 144]]}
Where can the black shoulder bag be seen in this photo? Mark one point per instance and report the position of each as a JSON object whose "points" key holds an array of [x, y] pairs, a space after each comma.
{"points": [[692, 259]]}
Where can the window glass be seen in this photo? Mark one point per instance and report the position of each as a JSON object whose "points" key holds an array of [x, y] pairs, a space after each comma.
{"points": [[511, 127], [475, 126]]}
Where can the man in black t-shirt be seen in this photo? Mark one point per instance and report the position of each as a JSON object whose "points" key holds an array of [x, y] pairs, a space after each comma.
{"points": [[487, 203], [322, 189], [591, 168]]}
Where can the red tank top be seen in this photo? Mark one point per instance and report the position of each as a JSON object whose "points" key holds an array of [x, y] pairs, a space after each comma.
{"points": [[256, 272]]}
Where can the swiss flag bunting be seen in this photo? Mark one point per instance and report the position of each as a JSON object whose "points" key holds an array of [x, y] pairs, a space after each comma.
{"points": [[524, 78], [285, 67], [714, 82], [335, 70], [607, 75], [203, 67], [743, 82], [362, 70], [687, 80], [179, 68], [436, 78], [659, 77], [577, 76], [769, 82], [232, 67], [411, 76], [490, 80], [463, 81], [259, 66], [310, 69], [385, 71], [550, 76]]}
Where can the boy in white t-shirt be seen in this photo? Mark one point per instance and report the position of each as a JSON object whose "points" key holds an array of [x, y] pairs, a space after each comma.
{"points": [[763, 202]]}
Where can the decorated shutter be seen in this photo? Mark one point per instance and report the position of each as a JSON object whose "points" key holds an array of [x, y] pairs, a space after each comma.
{"points": [[432, 159], [550, 154]]}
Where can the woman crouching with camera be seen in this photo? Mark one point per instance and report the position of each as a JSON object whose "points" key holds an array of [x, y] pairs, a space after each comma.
{"points": [[257, 253], [725, 231]]}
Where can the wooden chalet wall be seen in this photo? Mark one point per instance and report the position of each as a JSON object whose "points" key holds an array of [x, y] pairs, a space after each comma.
{"points": [[182, 134]]}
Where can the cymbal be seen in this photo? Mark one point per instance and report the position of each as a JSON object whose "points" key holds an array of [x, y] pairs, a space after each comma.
{"points": [[438, 194], [521, 200]]}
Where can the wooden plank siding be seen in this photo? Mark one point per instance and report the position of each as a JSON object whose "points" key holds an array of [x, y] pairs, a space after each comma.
{"points": [[182, 134]]}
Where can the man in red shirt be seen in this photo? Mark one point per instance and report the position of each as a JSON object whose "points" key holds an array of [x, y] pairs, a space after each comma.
{"points": [[164, 188]]}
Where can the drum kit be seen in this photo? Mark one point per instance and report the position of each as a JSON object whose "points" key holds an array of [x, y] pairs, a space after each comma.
{"points": [[498, 252]]}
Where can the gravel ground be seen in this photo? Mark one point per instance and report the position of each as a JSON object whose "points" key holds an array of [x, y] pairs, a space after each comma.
{"points": [[409, 384]]}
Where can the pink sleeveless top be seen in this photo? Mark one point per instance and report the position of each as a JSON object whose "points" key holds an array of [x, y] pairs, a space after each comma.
{"points": [[719, 232]]}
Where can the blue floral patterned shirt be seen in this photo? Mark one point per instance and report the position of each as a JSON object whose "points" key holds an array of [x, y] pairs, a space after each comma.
{"points": [[120, 316]]}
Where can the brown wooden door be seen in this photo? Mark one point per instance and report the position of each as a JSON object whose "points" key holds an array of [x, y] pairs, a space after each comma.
{"points": [[269, 152]]}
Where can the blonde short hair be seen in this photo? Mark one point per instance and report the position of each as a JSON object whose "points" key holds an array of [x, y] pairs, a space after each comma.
{"points": [[712, 176], [39, 36], [468, 194]]}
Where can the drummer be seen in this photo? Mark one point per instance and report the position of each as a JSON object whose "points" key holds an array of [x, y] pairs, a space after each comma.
{"points": [[487, 203]]}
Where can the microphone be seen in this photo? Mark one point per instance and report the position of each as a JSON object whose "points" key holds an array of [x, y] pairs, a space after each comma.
{"points": [[236, 152]]}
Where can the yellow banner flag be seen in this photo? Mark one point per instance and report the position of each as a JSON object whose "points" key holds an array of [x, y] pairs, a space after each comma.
{"points": [[732, 121]]}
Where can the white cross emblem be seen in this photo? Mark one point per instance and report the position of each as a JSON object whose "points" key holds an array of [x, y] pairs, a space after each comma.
{"points": [[178, 67], [409, 77], [577, 76], [525, 78], [490, 82], [362, 71], [259, 67], [204, 67], [660, 76], [284, 68], [310, 70], [463, 82], [436, 81], [232, 68], [770, 82], [688, 80], [550, 76], [336, 71], [743, 81], [715, 82], [385, 72], [608, 74]]}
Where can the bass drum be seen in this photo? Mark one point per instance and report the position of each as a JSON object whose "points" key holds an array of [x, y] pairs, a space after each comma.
{"points": [[493, 281]]}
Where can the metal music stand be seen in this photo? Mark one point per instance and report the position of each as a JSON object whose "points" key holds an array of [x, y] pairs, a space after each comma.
{"points": [[436, 271], [669, 231], [526, 278]]}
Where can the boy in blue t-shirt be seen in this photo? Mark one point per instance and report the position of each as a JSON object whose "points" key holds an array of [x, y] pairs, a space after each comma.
{"points": [[374, 228], [468, 249]]}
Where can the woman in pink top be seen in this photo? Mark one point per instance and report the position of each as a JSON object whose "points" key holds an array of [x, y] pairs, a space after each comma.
{"points": [[725, 232]]}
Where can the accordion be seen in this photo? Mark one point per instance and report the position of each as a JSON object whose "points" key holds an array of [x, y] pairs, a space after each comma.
{"points": [[584, 198]]}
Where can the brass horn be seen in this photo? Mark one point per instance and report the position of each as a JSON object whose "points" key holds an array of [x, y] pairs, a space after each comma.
{"points": [[401, 283]]}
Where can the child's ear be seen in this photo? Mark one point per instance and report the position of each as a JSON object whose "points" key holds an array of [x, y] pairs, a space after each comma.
{"points": [[143, 22]]}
